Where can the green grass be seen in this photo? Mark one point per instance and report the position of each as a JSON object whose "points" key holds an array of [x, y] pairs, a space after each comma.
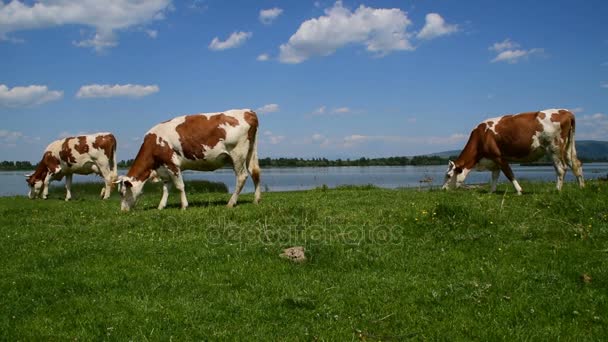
{"points": [[382, 265]]}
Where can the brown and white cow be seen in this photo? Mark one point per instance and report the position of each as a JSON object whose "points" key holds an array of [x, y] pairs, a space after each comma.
{"points": [[523, 137], [85, 154], [203, 142]]}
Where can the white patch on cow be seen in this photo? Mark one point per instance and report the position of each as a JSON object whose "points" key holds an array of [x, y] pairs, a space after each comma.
{"points": [[494, 121], [517, 187]]}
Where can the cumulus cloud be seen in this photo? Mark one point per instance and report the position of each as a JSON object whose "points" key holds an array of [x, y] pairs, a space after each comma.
{"points": [[358, 139], [117, 90], [235, 40], [267, 16], [380, 30], [152, 33], [323, 110], [436, 26], [510, 52], [341, 110], [319, 111], [27, 96], [263, 57], [105, 19], [272, 138], [9, 139], [269, 108], [592, 126]]}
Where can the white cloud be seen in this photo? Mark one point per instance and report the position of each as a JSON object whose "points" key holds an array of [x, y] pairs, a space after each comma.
{"points": [[267, 16], [341, 110], [319, 111], [509, 52], [506, 44], [27, 96], [263, 57], [152, 33], [10, 139], [594, 126], [273, 139], [380, 30], [269, 108], [436, 26], [9, 136], [236, 39], [357, 139], [107, 90], [577, 110], [104, 18]]}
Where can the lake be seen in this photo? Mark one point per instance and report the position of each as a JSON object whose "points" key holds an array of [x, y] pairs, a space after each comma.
{"points": [[290, 179]]}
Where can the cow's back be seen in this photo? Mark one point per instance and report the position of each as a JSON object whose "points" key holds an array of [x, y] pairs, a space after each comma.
{"points": [[79, 154], [202, 141]]}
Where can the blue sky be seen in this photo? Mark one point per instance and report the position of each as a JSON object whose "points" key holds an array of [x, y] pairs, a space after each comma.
{"points": [[328, 78]]}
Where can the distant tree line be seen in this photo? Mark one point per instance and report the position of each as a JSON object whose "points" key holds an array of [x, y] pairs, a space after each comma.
{"points": [[320, 162], [16, 165]]}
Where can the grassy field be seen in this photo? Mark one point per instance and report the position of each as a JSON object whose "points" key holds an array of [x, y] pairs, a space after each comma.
{"points": [[382, 265]]}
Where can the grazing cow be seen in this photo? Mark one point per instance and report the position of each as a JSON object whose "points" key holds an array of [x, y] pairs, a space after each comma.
{"points": [[85, 154], [522, 137], [203, 142]]}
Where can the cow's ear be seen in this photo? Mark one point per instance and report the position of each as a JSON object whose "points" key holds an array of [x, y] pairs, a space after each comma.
{"points": [[128, 184], [450, 163]]}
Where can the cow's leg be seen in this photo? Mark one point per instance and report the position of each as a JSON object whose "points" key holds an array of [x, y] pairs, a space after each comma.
{"points": [[178, 181], [68, 187], [108, 179], [495, 175], [506, 169], [165, 196], [45, 185], [576, 167], [240, 171], [560, 170]]}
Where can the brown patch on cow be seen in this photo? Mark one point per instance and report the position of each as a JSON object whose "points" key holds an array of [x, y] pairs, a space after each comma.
{"points": [[490, 123], [107, 143], [515, 134], [252, 119], [199, 130], [66, 152], [82, 147], [153, 153], [513, 140], [46, 164], [541, 115]]}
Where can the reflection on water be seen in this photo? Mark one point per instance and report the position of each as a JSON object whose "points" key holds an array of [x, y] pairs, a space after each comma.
{"points": [[289, 179]]}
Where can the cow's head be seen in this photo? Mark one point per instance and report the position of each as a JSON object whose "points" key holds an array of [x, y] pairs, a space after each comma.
{"points": [[454, 176], [130, 189], [35, 184]]}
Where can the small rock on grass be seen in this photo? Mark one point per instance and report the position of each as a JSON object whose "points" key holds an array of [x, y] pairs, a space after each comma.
{"points": [[295, 254]]}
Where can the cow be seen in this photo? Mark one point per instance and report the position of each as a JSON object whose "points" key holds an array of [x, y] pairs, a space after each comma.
{"points": [[85, 154], [523, 137], [202, 142]]}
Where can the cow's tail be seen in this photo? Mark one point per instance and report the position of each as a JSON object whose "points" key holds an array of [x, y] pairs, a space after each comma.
{"points": [[571, 157], [113, 164], [253, 165]]}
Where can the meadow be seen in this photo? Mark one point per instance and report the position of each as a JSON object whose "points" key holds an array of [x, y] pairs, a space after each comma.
{"points": [[381, 265]]}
